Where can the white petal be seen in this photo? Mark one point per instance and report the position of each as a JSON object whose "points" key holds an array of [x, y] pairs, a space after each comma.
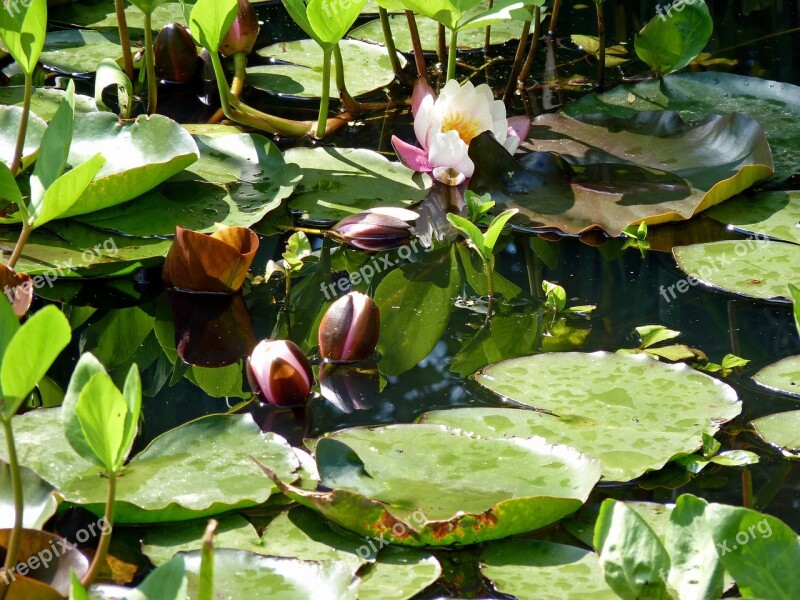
{"points": [[422, 121]]}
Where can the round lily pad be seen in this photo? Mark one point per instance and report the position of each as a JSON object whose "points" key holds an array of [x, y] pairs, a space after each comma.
{"points": [[44, 101], [338, 182], [430, 485], [632, 412], [366, 68], [773, 214], [523, 568], [79, 50], [102, 16], [756, 268], [782, 376], [781, 430], [9, 126]]}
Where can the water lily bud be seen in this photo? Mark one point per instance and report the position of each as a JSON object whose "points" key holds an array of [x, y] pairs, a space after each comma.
{"points": [[350, 328], [376, 229], [279, 373], [175, 54], [241, 37]]}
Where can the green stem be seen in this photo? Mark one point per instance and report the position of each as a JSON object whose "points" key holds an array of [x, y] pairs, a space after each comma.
{"points": [[12, 552], [16, 161], [150, 64], [322, 120], [105, 538], [451, 55], [388, 39], [21, 241], [239, 73], [350, 104], [489, 272], [124, 37]]}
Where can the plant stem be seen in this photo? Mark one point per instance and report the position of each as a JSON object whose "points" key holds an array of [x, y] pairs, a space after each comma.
{"points": [[124, 38], [326, 88], [16, 161], [105, 538], [747, 488], [441, 46], [554, 17], [487, 40], [489, 272], [537, 28], [206, 583], [237, 85], [419, 57], [511, 87], [350, 104], [12, 552], [451, 55], [388, 40], [601, 34], [21, 241], [150, 64]]}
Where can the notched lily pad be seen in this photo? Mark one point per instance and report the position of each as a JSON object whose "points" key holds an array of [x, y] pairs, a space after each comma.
{"points": [[781, 430], [782, 376], [420, 485], [653, 167], [756, 268]]}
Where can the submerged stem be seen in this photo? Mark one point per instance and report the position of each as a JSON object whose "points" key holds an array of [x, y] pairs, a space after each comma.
{"points": [[601, 34], [326, 88], [105, 537], [554, 16], [489, 272], [124, 38], [16, 161], [511, 87], [12, 552], [537, 28], [150, 64], [451, 55]]}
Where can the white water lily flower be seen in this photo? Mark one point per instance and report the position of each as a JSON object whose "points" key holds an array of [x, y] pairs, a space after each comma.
{"points": [[444, 126]]}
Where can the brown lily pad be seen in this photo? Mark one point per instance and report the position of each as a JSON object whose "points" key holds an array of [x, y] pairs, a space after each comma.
{"points": [[215, 263], [18, 288], [48, 560], [601, 172]]}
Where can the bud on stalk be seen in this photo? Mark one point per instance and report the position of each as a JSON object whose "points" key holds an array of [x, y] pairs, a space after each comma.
{"points": [[242, 35], [349, 329], [376, 229], [175, 54], [280, 373]]}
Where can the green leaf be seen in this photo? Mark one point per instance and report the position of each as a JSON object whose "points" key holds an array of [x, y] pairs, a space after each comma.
{"points": [[735, 458], [477, 205], [39, 500], [9, 324], [80, 51], [472, 233], [771, 214], [502, 10], [29, 354], [132, 393], [167, 582], [299, 12], [634, 560], [556, 296], [794, 292], [782, 376], [9, 190], [102, 411], [76, 589], [108, 74], [760, 551], [10, 119], [442, 11], [87, 367], [671, 41], [495, 229], [781, 431], [61, 197], [148, 6], [115, 338], [331, 19], [655, 334], [210, 21], [23, 26], [54, 149]]}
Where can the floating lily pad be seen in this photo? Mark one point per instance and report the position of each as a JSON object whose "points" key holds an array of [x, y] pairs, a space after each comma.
{"points": [[523, 568], [632, 412], [9, 126], [469, 39], [773, 214], [243, 574], [752, 268], [39, 502], [341, 181], [398, 574], [775, 105], [421, 485], [781, 430], [653, 167], [366, 68], [782, 376], [102, 16], [198, 469], [79, 51], [245, 178], [45, 100]]}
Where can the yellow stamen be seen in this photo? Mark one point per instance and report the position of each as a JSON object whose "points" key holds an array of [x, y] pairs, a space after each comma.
{"points": [[465, 127]]}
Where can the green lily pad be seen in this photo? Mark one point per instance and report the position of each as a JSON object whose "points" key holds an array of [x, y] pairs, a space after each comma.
{"points": [[632, 412], [198, 469], [64, 249], [775, 105], [773, 214], [651, 168], [338, 182], [781, 430], [523, 568], [469, 39], [102, 16], [79, 51], [9, 126], [398, 574], [782, 376], [241, 574], [366, 68], [752, 268], [422, 485], [244, 177], [39, 502], [45, 100]]}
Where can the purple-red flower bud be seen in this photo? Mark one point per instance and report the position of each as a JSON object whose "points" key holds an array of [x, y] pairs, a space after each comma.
{"points": [[377, 229], [242, 35], [175, 54], [280, 373], [350, 328]]}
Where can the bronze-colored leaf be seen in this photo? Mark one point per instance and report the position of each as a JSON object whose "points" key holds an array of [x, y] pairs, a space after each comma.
{"points": [[215, 263], [18, 288]]}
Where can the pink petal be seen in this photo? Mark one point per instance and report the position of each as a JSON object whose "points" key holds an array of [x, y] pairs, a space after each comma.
{"points": [[520, 126], [411, 156], [421, 90]]}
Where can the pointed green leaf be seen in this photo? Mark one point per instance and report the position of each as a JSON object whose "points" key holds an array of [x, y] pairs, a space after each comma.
{"points": [[495, 229], [210, 20], [23, 26], [54, 149], [331, 19], [65, 192], [472, 233], [101, 411]]}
